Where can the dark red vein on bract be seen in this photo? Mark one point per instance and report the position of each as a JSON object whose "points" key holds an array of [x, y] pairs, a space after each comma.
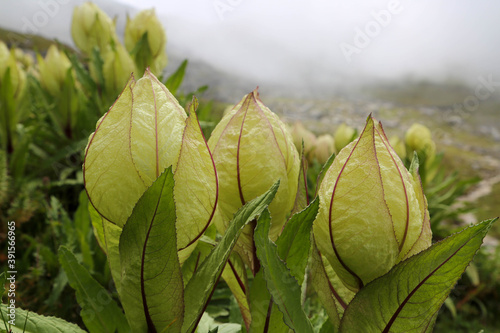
{"points": [[269, 125], [216, 184], [197, 262], [151, 327], [358, 279], [130, 87], [238, 173], [407, 225], [401, 306], [156, 124], [238, 279], [197, 320], [268, 315], [332, 289]]}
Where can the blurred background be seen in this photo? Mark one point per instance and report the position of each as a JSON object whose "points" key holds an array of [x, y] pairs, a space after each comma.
{"points": [[319, 64]]}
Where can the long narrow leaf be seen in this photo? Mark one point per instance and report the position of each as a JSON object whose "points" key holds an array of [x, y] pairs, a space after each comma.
{"points": [[235, 276], [151, 285], [281, 284], [99, 312], [174, 81], [266, 317], [37, 323], [294, 243], [201, 286]]}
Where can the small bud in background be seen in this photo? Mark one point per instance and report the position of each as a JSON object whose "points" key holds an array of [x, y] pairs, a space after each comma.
{"points": [[25, 59], [91, 27], [152, 54], [16, 73], [399, 146], [4, 52], [417, 137], [299, 134], [373, 212], [53, 70], [252, 150], [4, 58], [325, 147], [117, 68], [343, 136]]}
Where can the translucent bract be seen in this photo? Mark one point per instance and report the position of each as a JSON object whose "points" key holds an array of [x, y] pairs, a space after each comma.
{"points": [[373, 212]]}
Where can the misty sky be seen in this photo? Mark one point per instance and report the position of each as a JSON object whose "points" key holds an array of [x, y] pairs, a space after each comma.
{"points": [[320, 39], [310, 41]]}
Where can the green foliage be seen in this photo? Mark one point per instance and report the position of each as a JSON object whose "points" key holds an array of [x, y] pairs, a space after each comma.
{"points": [[202, 284], [29, 322], [410, 295], [266, 317], [294, 243], [442, 196], [151, 287], [282, 285], [100, 312], [42, 139], [174, 81]]}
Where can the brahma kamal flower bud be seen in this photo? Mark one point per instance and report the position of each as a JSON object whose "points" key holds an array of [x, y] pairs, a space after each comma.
{"points": [[419, 138], [4, 52], [118, 65], [142, 134], [154, 55], [91, 27], [373, 212], [301, 134], [53, 70], [16, 73], [252, 150], [343, 136], [324, 148], [25, 59]]}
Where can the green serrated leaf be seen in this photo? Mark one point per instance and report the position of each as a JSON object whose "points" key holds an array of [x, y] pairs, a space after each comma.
{"points": [[294, 243], [202, 284], [281, 284], [175, 80], [302, 197], [37, 323], [332, 293], [322, 173], [151, 286], [99, 312], [266, 318], [191, 265], [408, 298], [108, 237], [235, 276]]}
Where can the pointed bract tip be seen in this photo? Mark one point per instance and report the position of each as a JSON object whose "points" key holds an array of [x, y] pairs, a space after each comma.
{"points": [[192, 106], [255, 92]]}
